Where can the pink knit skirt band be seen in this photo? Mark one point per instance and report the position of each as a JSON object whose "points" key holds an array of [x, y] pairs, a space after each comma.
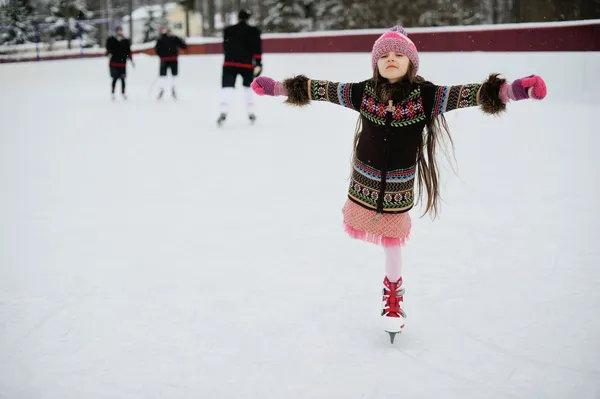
{"points": [[388, 230]]}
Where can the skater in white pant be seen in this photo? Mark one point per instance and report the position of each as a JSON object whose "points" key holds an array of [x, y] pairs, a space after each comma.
{"points": [[242, 46], [167, 48], [401, 121]]}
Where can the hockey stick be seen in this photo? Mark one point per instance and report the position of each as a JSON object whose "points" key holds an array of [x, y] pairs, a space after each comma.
{"points": [[152, 86]]}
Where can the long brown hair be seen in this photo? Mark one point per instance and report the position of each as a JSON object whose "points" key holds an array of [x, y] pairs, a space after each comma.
{"points": [[428, 175]]}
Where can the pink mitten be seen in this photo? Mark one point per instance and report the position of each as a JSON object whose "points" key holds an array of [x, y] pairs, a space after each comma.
{"points": [[536, 87], [264, 85], [532, 86]]}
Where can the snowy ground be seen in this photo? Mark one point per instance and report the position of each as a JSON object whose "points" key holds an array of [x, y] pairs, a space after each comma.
{"points": [[146, 254]]}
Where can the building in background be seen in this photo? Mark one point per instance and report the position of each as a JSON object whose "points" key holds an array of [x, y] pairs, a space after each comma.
{"points": [[147, 20], [176, 22]]}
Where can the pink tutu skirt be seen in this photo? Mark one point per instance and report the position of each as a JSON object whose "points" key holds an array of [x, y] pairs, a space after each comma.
{"points": [[389, 230]]}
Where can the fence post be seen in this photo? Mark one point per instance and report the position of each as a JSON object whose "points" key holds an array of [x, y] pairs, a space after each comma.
{"points": [[36, 31], [79, 34]]}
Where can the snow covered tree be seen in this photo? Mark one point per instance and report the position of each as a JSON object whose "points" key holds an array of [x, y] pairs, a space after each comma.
{"points": [[554, 10], [310, 15], [454, 12], [405, 13], [289, 15], [301, 15], [151, 26], [68, 18], [498, 11], [156, 18], [590, 9], [17, 22], [344, 14], [383, 13]]}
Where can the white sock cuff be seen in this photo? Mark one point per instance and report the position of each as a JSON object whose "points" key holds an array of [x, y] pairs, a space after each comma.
{"points": [[249, 96], [162, 82], [225, 99]]}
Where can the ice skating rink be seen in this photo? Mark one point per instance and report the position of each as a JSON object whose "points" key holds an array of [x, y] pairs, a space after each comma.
{"points": [[145, 253]]}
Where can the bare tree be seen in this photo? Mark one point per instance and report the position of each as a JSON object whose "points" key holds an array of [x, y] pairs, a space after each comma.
{"points": [[590, 9], [188, 6], [211, 8], [130, 12]]}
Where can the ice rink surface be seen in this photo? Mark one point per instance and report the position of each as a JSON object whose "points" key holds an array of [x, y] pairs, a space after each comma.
{"points": [[145, 253]]}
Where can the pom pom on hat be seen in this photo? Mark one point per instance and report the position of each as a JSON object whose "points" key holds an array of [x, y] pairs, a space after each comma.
{"points": [[399, 29], [396, 40]]}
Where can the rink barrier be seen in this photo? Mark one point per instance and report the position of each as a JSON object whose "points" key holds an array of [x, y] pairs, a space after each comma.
{"points": [[545, 37]]}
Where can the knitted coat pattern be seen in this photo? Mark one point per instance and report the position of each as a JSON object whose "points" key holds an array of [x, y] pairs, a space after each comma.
{"points": [[382, 183]]}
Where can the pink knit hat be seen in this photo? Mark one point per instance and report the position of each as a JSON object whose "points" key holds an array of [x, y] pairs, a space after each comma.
{"points": [[396, 39]]}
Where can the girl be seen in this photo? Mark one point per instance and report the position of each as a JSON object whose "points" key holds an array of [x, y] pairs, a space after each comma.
{"points": [[401, 120]]}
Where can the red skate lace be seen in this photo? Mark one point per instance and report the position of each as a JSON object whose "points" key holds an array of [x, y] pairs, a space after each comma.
{"points": [[392, 303]]}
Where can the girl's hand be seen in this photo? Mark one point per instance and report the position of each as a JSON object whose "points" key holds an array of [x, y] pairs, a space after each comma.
{"points": [[532, 86], [264, 85], [535, 86]]}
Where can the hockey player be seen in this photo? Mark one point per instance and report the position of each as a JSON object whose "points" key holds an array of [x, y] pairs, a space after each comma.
{"points": [[167, 48], [242, 47], [119, 49]]}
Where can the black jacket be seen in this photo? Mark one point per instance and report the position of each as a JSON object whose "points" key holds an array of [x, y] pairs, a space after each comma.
{"points": [[242, 46], [385, 168], [167, 47], [119, 49]]}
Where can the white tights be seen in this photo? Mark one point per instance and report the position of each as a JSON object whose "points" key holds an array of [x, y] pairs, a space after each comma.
{"points": [[164, 80], [227, 95], [393, 262]]}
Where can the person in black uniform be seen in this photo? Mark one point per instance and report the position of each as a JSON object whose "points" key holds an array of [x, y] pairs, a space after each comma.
{"points": [[242, 47], [119, 49], [167, 48]]}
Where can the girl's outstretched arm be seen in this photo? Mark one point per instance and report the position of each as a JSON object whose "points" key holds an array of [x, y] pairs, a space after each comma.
{"points": [[491, 95], [301, 90]]}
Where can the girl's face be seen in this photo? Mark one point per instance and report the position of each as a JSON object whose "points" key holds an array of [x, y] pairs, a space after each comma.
{"points": [[393, 66]]}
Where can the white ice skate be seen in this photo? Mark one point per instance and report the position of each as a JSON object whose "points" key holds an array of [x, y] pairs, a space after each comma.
{"points": [[392, 311]]}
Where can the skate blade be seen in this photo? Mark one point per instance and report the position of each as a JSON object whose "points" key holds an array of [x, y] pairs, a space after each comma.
{"points": [[393, 336]]}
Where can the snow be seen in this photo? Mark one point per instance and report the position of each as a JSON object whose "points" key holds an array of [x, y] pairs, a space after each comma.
{"points": [[143, 13], [75, 50], [59, 47], [438, 29], [21, 47], [147, 254]]}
